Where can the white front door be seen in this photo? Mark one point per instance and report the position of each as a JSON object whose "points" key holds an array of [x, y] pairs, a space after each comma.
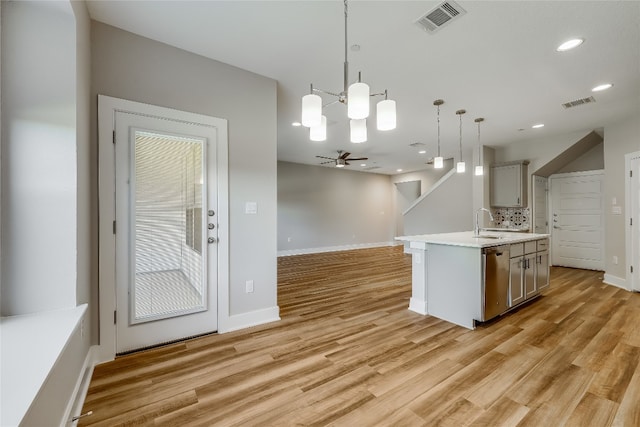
{"points": [[163, 236], [577, 234], [540, 208]]}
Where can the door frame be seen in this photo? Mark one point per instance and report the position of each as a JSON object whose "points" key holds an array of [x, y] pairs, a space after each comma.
{"points": [[633, 279], [107, 107]]}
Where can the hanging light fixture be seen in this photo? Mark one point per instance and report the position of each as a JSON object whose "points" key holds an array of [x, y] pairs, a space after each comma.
{"points": [[355, 97], [479, 167], [460, 166], [319, 133], [438, 161]]}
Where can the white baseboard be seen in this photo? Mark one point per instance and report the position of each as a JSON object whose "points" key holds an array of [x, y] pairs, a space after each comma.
{"points": [[619, 282], [337, 248], [82, 386], [418, 306], [247, 320]]}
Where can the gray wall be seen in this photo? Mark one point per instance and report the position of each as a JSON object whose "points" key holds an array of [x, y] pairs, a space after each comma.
{"points": [[135, 68], [619, 139], [321, 207], [589, 161], [448, 208]]}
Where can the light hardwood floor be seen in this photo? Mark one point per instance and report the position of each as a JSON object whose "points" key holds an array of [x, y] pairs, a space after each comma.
{"points": [[348, 353]]}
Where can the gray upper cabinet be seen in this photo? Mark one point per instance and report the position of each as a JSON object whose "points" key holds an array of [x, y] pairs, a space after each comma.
{"points": [[509, 185]]}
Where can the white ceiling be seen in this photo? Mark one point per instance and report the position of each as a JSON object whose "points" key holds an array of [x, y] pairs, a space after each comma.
{"points": [[498, 61]]}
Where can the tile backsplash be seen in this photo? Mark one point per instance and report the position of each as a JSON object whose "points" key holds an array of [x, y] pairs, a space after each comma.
{"points": [[511, 218]]}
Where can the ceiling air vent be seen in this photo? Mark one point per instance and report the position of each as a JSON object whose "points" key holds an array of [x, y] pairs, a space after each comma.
{"points": [[442, 15], [370, 168], [577, 102], [417, 144]]}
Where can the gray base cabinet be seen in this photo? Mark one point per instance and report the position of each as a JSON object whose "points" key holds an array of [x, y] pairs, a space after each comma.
{"points": [[529, 270]]}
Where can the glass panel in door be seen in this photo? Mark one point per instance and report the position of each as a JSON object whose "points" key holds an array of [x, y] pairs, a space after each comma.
{"points": [[168, 277]]}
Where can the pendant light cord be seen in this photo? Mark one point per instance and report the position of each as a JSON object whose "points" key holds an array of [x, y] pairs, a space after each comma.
{"points": [[460, 115], [438, 130]]}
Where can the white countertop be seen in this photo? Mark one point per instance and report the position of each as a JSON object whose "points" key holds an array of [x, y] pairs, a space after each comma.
{"points": [[466, 238]]}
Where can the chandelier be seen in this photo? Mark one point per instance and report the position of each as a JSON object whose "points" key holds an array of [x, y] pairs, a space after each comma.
{"points": [[355, 97]]}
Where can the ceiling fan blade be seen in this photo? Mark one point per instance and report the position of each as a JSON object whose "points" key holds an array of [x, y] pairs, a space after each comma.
{"points": [[346, 163], [344, 155], [324, 163], [357, 158], [328, 158]]}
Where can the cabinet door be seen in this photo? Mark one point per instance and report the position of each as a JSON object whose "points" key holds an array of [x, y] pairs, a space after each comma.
{"points": [[506, 186], [530, 288], [542, 270], [516, 291]]}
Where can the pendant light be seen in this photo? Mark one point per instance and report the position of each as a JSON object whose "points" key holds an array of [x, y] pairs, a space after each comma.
{"points": [[479, 167], [355, 96], [319, 133], [438, 161], [460, 166]]}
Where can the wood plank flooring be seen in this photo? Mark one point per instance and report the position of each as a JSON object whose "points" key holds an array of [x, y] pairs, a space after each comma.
{"points": [[348, 352]]}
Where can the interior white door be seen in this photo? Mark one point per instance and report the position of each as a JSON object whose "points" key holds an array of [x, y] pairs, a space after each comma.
{"points": [[577, 235], [540, 205], [166, 230]]}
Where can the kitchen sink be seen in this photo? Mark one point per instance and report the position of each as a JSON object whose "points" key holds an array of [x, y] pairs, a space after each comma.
{"points": [[488, 237]]}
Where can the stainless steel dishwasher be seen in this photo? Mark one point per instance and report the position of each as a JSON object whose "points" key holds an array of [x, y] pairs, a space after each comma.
{"points": [[495, 283]]}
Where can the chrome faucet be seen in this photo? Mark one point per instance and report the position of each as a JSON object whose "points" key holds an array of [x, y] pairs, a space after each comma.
{"points": [[476, 230]]}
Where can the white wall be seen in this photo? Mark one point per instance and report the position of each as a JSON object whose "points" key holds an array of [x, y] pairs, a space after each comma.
{"points": [[135, 68], [619, 139], [320, 207], [39, 157]]}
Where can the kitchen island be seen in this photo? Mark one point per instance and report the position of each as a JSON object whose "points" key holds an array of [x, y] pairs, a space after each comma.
{"points": [[465, 278]]}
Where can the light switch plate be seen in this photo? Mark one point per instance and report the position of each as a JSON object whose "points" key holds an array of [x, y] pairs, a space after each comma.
{"points": [[251, 208]]}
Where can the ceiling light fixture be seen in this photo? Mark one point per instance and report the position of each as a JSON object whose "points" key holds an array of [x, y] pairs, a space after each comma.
{"points": [[460, 166], [479, 167], [319, 133], [355, 97], [438, 161], [601, 87], [296, 124], [569, 44], [398, 170], [340, 163], [538, 126], [422, 152]]}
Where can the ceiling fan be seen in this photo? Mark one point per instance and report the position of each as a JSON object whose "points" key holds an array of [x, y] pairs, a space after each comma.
{"points": [[342, 160]]}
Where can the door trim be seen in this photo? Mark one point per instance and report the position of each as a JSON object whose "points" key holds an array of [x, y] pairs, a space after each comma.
{"points": [[633, 282], [107, 106]]}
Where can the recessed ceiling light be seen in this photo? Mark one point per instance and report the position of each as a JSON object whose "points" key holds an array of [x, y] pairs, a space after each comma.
{"points": [[363, 164], [601, 87], [539, 125], [398, 170], [296, 124], [422, 151], [569, 44]]}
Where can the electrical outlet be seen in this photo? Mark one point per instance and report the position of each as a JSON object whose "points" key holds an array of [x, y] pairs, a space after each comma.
{"points": [[615, 260], [249, 286]]}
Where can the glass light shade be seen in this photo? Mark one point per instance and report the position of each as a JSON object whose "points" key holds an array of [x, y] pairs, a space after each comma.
{"points": [[479, 170], [460, 167], [386, 114], [438, 162], [340, 163], [358, 130], [311, 110], [319, 133], [358, 101]]}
